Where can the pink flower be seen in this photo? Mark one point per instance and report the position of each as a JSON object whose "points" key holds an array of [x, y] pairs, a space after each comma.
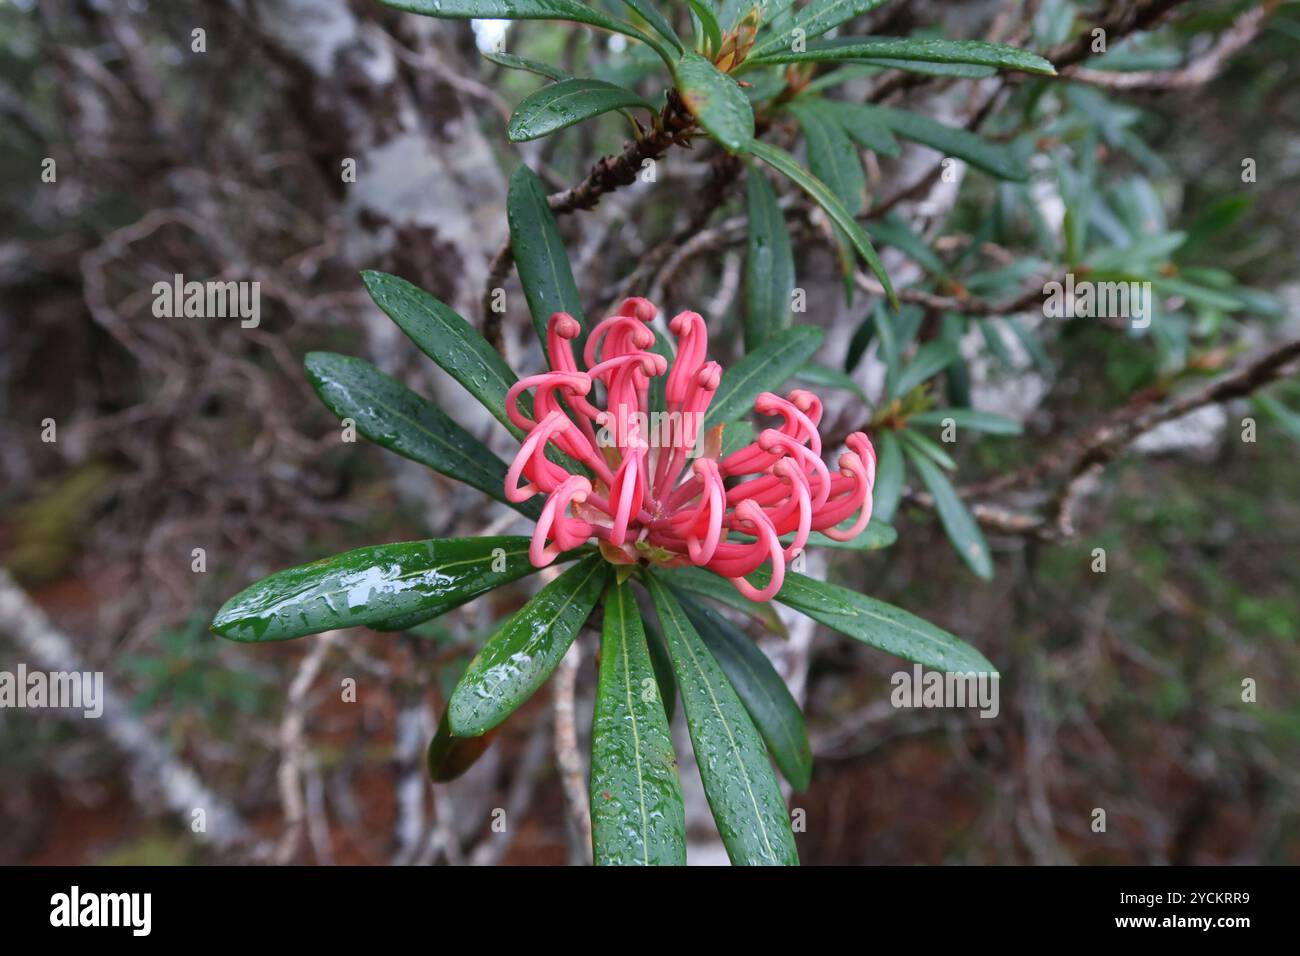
{"points": [[658, 491]]}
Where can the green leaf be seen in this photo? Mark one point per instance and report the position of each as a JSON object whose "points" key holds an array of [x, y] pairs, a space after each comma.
{"points": [[815, 19], [914, 444], [735, 436], [565, 103], [784, 163], [769, 263], [449, 340], [862, 338], [830, 153], [876, 535], [716, 101], [526, 649], [738, 780], [863, 127], [710, 585], [993, 158], [962, 529], [764, 369], [888, 350], [512, 62], [760, 688], [965, 71], [637, 816], [572, 10], [1285, 418], [1042, 361], [894, 231], [448, 757], [823, 376], [969, 418], [391, 415], [663, 666], [651, 15], [930, 359], [372, 585], [709, 24], [539, 252], [889, 478], [975, 52], [877, 624]]}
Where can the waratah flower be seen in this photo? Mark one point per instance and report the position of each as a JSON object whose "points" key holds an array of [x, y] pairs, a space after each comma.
{"points": [[647, 486]]}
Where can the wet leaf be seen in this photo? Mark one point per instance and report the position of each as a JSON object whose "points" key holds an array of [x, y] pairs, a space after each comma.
{"points": [[637, 816]]}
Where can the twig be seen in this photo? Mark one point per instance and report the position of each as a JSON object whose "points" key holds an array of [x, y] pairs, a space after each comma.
{"points": [[1200, 71], [295, 757], [675, 125], [567, 757]]}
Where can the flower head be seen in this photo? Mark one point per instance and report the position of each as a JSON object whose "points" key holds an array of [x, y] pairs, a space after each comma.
{"points": [[650, 488]]}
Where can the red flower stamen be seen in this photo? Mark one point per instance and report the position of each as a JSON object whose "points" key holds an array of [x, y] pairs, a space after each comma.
{"points": [[637, 503]]}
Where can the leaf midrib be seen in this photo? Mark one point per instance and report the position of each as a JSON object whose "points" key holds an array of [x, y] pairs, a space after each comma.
{"points": [[636, 732]]}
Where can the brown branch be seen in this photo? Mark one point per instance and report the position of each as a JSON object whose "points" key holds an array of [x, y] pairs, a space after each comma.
{"points": [[675, 125], [1086, 454], [1121, 20], [1201, 70]]}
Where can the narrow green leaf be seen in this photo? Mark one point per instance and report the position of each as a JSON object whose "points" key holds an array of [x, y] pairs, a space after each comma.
{"points": [[565, 103], [448, 757], [760, 688], [993, 158], [663, 666], [540, 256], [372, 585], [637, 816], [877, 624], [894, 231], [994, 343], [449, 340], [888, 351], [735, 436], [1037, 353], [1286, 418], [526, 649], [969, 418], [962, 528], [391, 415], [964, 71], [738, 779], [875, 536], [823, 376], [709, 24], [974, 52], [784, 163], [814, 20], [512, 62], [862, 126], [764, 369], [651, 15], [930, 359], [769, 263], [713, 586], [716, 101], [914, 444], [831, 154], [863, 336], [890, 474]]}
